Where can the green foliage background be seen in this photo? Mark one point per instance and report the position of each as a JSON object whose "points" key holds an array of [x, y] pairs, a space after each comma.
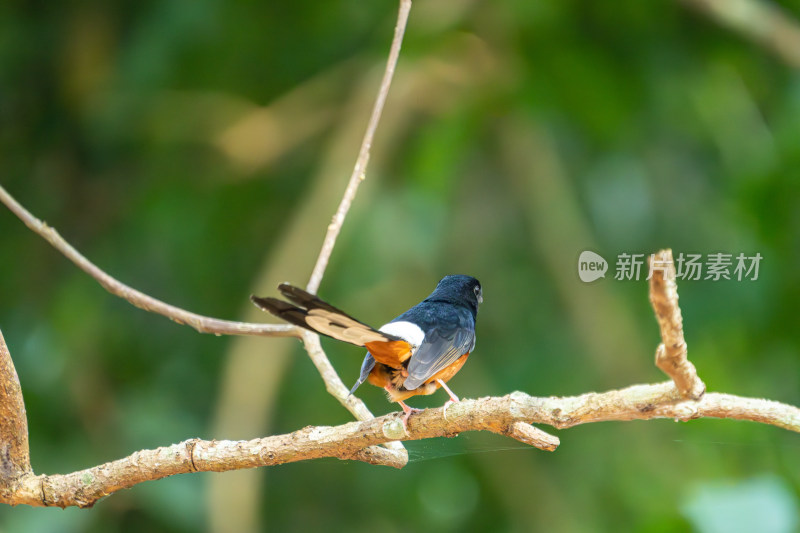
{"points": [[196, 150]]}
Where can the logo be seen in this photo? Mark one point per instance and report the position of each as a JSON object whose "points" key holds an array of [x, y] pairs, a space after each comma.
{"points": [[591, 266], [715, 266]]}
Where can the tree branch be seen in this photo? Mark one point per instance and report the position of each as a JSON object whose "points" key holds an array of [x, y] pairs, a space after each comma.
{"points": [[203, 324], [510, 415], [671, 354], [14, 452], [333, 382], [358, 440], [395, 453], [397, 456], [682, 398], [360, 168], [228, 508]]}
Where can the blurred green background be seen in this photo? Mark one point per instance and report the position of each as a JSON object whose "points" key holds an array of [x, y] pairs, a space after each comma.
{"points": [[197, 150]]}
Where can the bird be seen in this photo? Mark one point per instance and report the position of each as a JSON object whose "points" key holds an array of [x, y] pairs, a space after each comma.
{"points": [[415, 353]]}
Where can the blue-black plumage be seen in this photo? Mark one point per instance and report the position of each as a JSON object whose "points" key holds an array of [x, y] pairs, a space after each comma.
{"points": [[415, 353]]}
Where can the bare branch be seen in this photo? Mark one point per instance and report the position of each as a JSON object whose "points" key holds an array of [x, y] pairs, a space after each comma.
{"points": [[394, 454], [333, 382], [337, 389], [357, 440], [671, 354], [375, 440], [527, 434], [201, 323], [14, 452], [509, 415], [360, 168]]}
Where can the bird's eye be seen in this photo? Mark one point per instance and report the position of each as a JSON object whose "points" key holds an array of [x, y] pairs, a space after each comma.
{"points": [[478, 294]]}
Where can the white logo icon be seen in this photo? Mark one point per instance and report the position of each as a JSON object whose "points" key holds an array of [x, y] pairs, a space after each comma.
{"points": [[591, 266]]}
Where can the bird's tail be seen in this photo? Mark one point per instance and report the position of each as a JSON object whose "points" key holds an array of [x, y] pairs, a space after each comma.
{"points": [[319, 316]]}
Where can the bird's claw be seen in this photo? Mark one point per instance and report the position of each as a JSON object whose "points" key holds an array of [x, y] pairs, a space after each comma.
{"points": [[408, 412], [447, 404]]}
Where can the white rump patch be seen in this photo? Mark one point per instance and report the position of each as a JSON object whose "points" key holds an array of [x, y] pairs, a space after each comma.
{"points": [[408, 331]]}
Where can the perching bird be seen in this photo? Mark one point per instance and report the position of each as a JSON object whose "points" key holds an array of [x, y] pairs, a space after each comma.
{"points": [[416, 353]]}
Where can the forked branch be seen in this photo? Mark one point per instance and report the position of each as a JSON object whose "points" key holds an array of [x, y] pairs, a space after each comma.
{"points": [[509, 415], [672, 353], [683, 398], [358, 440]]}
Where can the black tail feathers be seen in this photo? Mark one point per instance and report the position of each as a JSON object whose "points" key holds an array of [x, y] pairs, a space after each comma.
{"points": [[319, 316]]}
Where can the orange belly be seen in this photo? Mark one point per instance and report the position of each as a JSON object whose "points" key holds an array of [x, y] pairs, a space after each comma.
{"points": [[392, 380], [448, 372]]}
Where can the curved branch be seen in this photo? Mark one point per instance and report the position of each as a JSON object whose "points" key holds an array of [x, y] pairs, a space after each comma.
{"points": [[363, 155], [14, 451], [510, 415], [203, 324], [333, 382], [358, 440]]}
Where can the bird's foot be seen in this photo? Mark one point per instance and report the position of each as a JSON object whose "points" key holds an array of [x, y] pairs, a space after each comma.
{"points": [[408, 412]]}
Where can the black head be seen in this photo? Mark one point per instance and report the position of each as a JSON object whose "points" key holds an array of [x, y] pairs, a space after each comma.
{"points": [[464, 290]]}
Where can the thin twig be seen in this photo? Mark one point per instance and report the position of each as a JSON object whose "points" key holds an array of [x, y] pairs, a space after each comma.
{"points": [[671, 354], [348, 441], [333, 382], [360, 168], [201, 323]]}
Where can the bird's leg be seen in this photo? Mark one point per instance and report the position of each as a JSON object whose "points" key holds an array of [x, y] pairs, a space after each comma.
{"points": [[453, 398], [408, 411]]}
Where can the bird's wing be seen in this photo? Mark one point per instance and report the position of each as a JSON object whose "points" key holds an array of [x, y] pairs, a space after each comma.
{"points": [[451, 337]]}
